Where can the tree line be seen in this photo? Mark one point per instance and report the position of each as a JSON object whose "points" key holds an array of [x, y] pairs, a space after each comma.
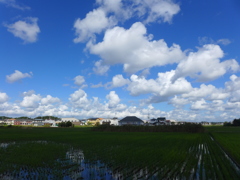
{"points": [[235, 122]]}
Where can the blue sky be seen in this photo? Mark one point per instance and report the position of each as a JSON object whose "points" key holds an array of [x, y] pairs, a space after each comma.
{"points": [[102, 58]]}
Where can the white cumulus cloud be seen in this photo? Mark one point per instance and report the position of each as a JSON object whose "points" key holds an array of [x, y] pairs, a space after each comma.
{"points": [[199, 105], [3, 97], [100, 68], [178, 101], [113, 99], [27, 29], [17, 75], [28, 93], [233, 88], [31, 101], [134, 49], [109, 13], [79, 99], [49, 100], [161, 88], [79, 80], [94, 22], [204, 65], [119, 81]]}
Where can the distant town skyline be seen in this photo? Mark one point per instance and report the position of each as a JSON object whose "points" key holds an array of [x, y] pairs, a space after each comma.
{"points": [[177, 59]]}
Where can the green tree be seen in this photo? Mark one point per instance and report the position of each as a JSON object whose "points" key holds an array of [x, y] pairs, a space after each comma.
{"points": [[68, 124], [236, 122]]}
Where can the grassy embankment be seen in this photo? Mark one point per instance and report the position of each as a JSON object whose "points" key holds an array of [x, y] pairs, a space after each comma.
{"points": [[170, 154]]}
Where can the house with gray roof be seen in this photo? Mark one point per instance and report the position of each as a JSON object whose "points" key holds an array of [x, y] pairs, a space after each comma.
{"points": [[131, 120]]}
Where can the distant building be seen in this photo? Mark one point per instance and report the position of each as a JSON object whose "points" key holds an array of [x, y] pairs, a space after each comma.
{"points": [[158, 121], [69, 119], [2, 122], [131, 120], [83, 121], [205, 123], [38, 120], [94, 121], [37, 124], [50, 122], [10, 121], [23, 122], [113, 121], [173, 122]]}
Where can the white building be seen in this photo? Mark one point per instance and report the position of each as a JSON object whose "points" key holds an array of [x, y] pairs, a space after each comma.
{"points": [[172, 122], [10, 121], [51, 122], [113, 121], [69, 119]]}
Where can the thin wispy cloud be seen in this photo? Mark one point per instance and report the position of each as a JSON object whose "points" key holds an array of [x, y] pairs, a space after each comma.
{"points": [[14, 4]]}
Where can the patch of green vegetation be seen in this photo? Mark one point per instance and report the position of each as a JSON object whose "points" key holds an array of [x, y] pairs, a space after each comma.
{"points": [[188, 127]]}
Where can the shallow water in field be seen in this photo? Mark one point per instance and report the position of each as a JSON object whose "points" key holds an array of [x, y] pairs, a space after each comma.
{"points": [[72, 167]]}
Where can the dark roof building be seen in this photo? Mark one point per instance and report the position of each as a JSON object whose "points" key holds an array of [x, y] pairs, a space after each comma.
{"points": [[131, 120]]}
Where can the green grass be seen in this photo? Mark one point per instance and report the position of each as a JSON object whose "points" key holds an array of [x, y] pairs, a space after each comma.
{"points": [[171, 154]]}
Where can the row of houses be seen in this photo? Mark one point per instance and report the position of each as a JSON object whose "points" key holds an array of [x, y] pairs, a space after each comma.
{"points": [[29, 122], [129, 120]]}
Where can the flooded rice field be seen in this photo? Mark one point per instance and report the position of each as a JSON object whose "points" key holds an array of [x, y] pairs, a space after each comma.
{"points": [[204, 161], [72, 167]]}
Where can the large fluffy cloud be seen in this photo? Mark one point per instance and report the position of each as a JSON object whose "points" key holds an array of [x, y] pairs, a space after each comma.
{"points": [[161, 88], [17, 75], [133, 48], [31, 101], [26, 29], [204, 65]]}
